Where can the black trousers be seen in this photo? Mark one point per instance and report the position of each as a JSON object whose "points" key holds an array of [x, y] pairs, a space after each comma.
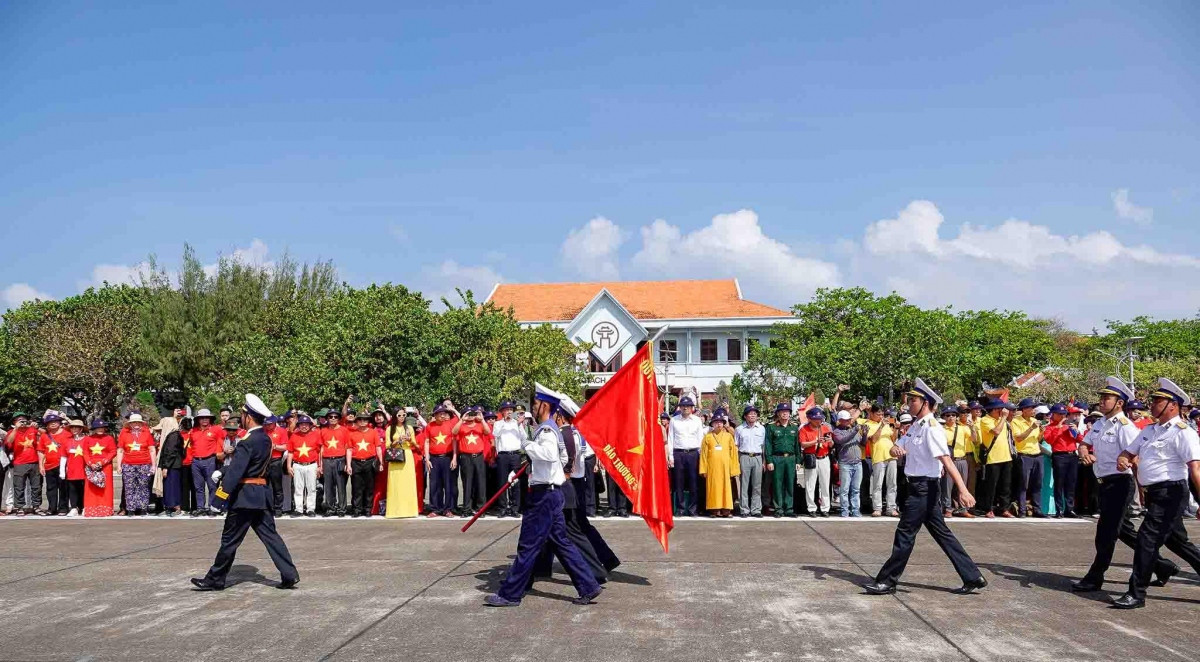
{"points": [[685, 482], [237, 522], [1066, 472], [618, 503], [275, 479], [333, 473], [187, 499], [506, 463], [994, 495], [923, 505], [1113, 525], [474, 481], [1165, 503], [587, 495], [443, 492], [56, 494], [543, 567], [74, 489], [362, 486]]}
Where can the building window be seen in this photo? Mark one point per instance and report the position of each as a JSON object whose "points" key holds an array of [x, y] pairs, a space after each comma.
{"points": [[594, 364], [708, 351], [668, 351], [733, 350]]}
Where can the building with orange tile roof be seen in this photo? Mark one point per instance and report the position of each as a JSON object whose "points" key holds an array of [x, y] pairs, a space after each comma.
{"points": [[711, 325]]}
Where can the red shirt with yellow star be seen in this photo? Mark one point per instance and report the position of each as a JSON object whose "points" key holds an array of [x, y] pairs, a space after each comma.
{"points": [[334, 442], [279, 436], [305, 447], [440, 437], [74, 451], [52, 446], [207, 441], [98, 448], [135, 447], [24, 445], [473, 438], [363, 444]]}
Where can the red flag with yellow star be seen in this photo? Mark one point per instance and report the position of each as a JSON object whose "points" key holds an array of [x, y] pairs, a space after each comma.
{"points": [[621, 423]]}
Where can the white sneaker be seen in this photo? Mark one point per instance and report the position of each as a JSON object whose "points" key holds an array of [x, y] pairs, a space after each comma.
{"points": [[73, 513]]}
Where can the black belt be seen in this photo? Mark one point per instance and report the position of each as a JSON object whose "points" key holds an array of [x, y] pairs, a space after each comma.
{"points": [[1064, 452], [1030, 454], [782, 454], [469, 454], [1111, 477], [921, 479], [544, 488], [508, 452], [304, 464], [687, 450], [750, 454], [1163, 484], [204, 458]]}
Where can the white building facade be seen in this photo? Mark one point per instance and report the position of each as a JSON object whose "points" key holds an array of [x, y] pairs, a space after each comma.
{"points": [[710, 326]]}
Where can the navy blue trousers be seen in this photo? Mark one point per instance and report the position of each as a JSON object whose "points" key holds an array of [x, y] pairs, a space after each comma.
{"points": [[923, 505], [443, 493], [685, 482], [237, 522], [543, 520]]}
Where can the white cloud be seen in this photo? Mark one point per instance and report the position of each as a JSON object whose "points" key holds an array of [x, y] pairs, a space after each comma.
{"points": [[18, 293], [116, 274], [1082, 279], [1129, 211], [734, 245], [450, 275], [591, 251], [254, 255]]}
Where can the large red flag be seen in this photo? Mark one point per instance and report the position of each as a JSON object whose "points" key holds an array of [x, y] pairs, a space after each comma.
{"points": [[621, 423]]}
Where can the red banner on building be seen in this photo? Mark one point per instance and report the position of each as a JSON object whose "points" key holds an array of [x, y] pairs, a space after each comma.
{"points": [[621, 423]]}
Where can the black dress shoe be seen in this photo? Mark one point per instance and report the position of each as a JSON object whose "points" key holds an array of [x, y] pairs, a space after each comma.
{"points": [[589, 598], [203, 584], [778, 514], [879, 588], [1084, 586], [1161, 578], [289, 583], [1127, 601], [970, 587]]}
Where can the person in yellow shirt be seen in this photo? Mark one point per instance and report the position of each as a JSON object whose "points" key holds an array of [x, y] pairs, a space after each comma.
{"points": [[996, 444], [881, 437], [1027, 437], [959, 441]]}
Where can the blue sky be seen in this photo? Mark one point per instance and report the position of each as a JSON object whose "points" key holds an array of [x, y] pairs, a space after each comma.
{"points": [[1045, 158]]}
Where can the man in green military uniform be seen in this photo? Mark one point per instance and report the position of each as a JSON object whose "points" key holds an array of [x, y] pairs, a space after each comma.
{"points": [[781, 446]]}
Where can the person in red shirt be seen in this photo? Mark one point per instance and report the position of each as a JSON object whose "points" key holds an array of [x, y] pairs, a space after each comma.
{"points": [[816, 440], [366, 456], [136, 455], [279, 444], [50, 447], [207, 441], [335, 464], [187, 494], [99, 453], [379, 422], [1064, 459], [74, 477], [473, 440], [437, 441], [21, 443], [304, 466]]}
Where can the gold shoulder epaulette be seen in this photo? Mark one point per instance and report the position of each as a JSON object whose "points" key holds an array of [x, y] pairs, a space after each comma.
{"points": [[1122, 420], [1181, 425]]}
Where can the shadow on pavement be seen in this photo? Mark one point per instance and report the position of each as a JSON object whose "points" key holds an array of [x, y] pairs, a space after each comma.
{"points": [[241, 574]]}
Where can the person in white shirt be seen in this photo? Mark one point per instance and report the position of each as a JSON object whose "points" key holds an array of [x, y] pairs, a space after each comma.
{"points": [[749, 437], [509, 434], [927, 456], [684, 436], [1168, 462], [543, 518]]}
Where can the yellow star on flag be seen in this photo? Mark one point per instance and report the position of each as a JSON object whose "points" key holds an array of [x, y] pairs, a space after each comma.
{"points": [[362, 444], [471, 439], [51, 447], [135, 446], [332, 443], [97, 449], [77, 451], [441, 438], [303, 449], [27, 442]]}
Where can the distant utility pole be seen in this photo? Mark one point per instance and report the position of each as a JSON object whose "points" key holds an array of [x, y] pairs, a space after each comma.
{"points": [[1128, 357]]}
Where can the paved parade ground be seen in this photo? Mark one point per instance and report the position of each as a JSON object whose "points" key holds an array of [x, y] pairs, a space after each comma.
{"points": [[730, 590]]}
